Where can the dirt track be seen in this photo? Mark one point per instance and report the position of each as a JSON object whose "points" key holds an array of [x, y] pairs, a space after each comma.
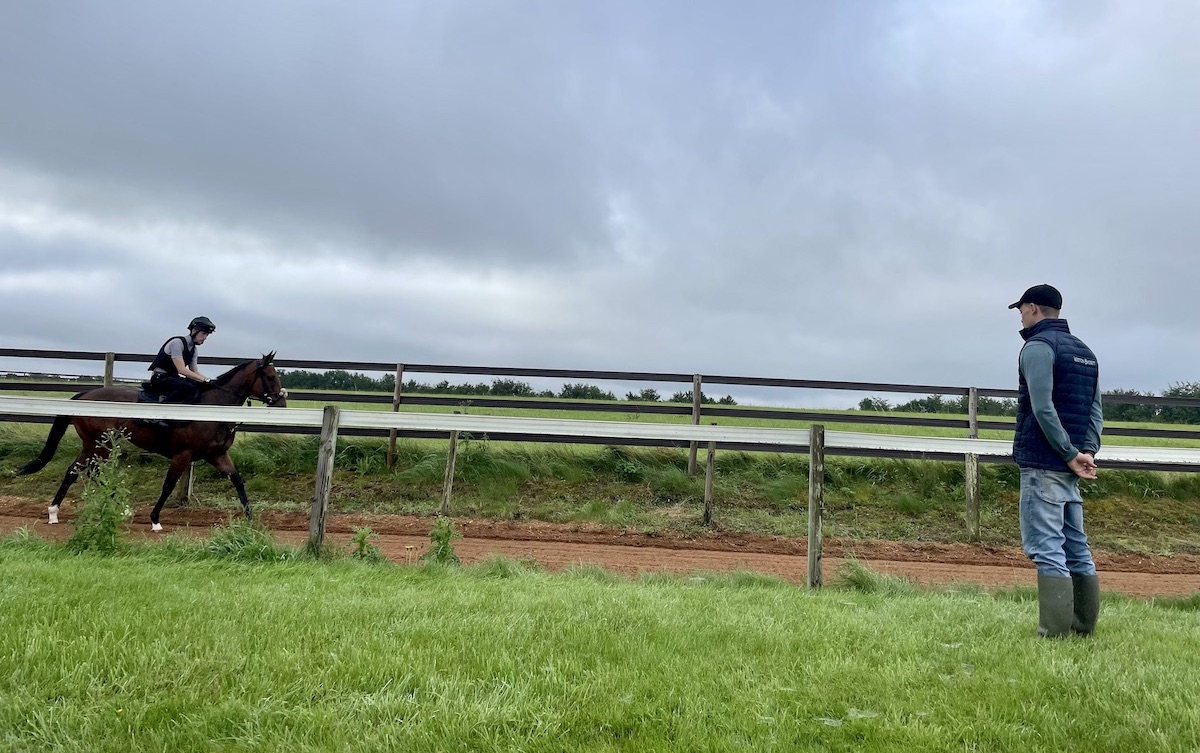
{"points": [[558, 546]]}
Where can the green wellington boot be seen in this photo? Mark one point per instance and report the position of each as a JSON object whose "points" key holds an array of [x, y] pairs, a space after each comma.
{"points": [[1056, 605], [1087, 603]]}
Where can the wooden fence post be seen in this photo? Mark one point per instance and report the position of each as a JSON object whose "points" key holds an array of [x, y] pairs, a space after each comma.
{"points": [[448, 484], [973, 412], [391, 455], [972, 486], [109, 358], [183, 488], [696, 392], [708, 482], [325, 458], [816, 501]]}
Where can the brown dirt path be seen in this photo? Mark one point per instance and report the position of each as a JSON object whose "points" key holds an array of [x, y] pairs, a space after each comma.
{"points": [[558, 546]]}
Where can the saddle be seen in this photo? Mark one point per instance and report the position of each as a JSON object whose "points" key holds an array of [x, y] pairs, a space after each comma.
{"points": [[147, 394]]}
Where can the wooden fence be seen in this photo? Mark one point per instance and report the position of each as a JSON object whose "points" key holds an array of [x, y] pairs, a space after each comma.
{"points": [[332, 419], [970, 425]]}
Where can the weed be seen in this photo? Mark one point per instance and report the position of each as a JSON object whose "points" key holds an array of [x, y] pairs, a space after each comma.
{"points": [[442, 538], [367, 464], [105, 507], [361, 548], [629, 471]]}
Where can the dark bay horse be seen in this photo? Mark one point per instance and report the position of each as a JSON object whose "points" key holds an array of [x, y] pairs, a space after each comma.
{"points": [[182, 442]]}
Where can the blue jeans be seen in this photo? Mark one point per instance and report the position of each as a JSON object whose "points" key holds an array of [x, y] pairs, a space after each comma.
{"points": [[1052, 523]]}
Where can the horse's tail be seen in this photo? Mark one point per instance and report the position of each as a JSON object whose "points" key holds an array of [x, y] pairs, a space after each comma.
{"points": [[57, 430]]}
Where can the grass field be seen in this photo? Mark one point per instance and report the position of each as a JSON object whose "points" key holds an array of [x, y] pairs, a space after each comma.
{"points": [[172, 648]]}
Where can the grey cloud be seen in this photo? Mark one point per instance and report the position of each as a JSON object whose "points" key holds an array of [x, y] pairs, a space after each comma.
{"points": [[849, 191], [386, 134]]}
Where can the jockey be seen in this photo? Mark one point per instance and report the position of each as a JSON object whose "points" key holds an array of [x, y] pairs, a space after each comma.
{"points": [[176, 376]]}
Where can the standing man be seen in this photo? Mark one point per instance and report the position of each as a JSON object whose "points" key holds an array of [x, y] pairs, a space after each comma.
{"points": [[176, 375], [1059, 421]]}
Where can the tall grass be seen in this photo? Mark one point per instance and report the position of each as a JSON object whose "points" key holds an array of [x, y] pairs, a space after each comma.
{"points": [[148, 652]]}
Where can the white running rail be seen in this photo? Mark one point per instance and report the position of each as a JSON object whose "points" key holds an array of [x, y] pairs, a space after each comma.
{"points": [[561, 427]]}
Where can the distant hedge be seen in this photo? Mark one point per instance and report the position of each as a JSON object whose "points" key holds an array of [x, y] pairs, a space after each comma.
{"points": [[340, 379]]}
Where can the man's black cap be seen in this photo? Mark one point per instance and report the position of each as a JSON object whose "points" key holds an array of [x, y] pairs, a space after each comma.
{"points": [[1042, 295]]}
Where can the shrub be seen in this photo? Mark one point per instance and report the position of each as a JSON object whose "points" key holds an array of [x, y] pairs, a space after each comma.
{"points": [[1181, 414], [584, 392], [874, 404], [648, 394], [1118, 411]]}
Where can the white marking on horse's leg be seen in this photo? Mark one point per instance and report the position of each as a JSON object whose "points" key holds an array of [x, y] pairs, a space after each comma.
{"points": [[156, 527], [53, 510]]}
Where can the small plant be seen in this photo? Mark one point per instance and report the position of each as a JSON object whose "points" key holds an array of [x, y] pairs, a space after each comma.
{"points": [[105, 507], [629, 471], [442, 536], [361, 548], [367, 464]]}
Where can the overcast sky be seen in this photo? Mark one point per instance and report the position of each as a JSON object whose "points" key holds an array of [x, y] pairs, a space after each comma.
{"points": [[814, 190]]}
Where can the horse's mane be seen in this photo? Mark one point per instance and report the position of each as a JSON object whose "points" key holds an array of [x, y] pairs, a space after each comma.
{"points": [[225, 379]]}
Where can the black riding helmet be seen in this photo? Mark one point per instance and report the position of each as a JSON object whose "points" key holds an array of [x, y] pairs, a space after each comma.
{"points": [[204, 324]]}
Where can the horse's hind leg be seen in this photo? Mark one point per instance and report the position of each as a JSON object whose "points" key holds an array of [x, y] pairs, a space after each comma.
{"points": [[71, 477], [179, 464], [224, 464]]}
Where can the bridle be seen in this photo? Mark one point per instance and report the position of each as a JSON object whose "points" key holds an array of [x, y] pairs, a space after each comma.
{"points": [[270, 398]]}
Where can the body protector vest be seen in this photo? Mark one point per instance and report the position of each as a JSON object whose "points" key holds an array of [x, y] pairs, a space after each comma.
{"points": [[166, 363]]}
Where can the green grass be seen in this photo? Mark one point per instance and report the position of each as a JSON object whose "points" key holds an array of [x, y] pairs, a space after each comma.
{"points": [[173, 648], [647, 489]]}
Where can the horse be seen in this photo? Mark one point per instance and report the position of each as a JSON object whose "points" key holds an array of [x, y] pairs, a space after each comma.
{"points": [[181, 441]]}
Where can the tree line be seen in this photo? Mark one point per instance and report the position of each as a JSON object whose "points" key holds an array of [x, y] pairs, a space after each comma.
{"points": [[342, 380], [987, 406], [1113, 411]]}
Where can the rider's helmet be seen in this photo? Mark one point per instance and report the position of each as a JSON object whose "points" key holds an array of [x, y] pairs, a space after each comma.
{"points": [[204, 324]]}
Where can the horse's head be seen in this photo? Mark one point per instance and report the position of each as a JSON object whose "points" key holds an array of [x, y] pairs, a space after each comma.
{"points": [[266, 385], [249, 379]]}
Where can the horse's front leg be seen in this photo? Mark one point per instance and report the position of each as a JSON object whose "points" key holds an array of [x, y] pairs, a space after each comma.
{"points": [[224, 466], [179, 464]]}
